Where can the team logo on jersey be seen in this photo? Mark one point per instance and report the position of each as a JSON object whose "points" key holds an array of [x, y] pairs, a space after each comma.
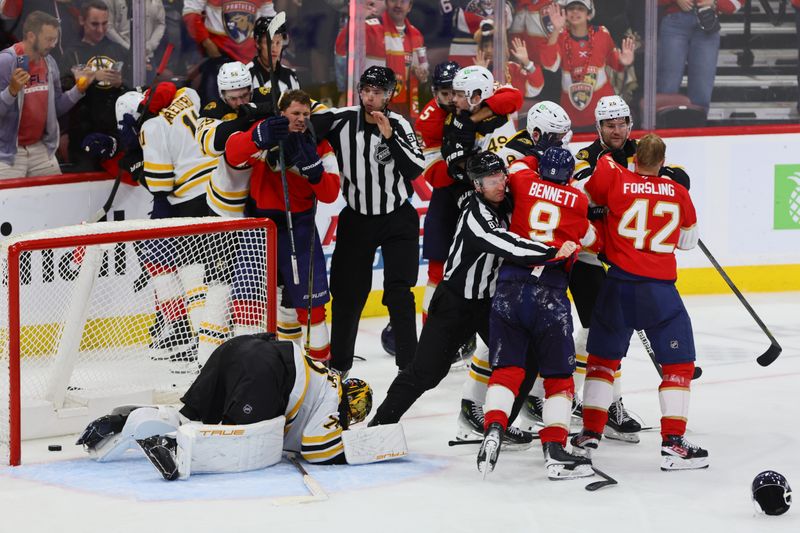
{"points": [[786, 211], [238, 17], [247, 409], [100, 63], [383, 155], [674, 344], [583, 155], [582, 88]]}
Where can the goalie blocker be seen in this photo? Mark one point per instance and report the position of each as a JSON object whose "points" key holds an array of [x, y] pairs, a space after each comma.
{"points": [[254, 398]]}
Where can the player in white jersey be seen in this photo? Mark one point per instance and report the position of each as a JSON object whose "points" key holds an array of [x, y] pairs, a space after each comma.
{"points": [[255, 397]]}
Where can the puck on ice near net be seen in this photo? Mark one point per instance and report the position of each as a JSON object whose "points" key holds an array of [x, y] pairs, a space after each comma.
{"points": [[54, 448]]}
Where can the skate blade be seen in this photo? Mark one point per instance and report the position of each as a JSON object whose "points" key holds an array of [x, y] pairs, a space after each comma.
{"points": [[559, 472], [669, 463], [613, 434]]}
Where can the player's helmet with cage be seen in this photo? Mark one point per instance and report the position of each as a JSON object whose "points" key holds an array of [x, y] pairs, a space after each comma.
{"points": [[552, 123], [380, 77], [359, 399], [484, 164], [772, 494], [233, 75], [474, 80], [443, 75], [556, 165]]}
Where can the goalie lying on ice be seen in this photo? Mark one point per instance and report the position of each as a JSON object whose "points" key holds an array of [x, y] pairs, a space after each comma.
{"points": [[254, 398]]}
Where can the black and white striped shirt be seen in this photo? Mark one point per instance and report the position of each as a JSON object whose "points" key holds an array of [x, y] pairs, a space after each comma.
{"points": [[376, 172], [482, 241]]}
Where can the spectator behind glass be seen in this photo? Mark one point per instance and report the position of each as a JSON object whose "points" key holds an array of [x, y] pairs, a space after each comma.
{"points": [[110, 64], [583, 51], [119, 26], [521, 73], [224, 30], [392, 41], [373, 9], [465, 21], [31, 100], [685, 45], [65, 11]]}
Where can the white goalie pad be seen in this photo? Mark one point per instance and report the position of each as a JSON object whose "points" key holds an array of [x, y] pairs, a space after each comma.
{"points": [[218, 449], [140, 424], [374, 444]]}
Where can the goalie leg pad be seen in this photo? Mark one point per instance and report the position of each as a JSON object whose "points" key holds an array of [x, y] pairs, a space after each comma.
{"points": [[374, 444], [218, 449]]}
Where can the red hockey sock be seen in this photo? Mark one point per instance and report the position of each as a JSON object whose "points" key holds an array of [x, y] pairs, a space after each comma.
{"points": [[557, 409], [503, 388], [673, 393], [598, 392]]}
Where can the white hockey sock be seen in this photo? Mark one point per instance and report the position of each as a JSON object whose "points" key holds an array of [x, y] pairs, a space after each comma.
{"points": [[538, 387], [480, 371], [499, 402]]}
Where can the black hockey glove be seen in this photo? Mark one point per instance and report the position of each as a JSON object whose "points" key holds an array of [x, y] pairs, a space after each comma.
{"points": [[128, 131], [100, 145], [306, 158], [597, 212], [255, 111], [676, 174], [270, 131], [462, 129]]}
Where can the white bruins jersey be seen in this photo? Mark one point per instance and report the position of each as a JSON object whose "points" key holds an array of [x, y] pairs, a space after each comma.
{"points": [[173, 160], [228, 187], [312, 415], [493, 133]]}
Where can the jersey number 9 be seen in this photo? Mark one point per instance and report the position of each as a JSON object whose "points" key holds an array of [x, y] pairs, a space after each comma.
{"points": [[543, 220]]}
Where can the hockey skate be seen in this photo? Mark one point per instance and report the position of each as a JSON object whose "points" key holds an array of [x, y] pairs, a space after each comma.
{"points": [[471, 422], [560, 464], [161, 450], [531, 414], [677, 453], [620, 425], [490, 449], [585, 442]]}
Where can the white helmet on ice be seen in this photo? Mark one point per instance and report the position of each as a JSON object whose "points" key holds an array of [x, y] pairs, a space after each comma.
{"points": [[473, 79], [128, 104], [233, 75], [551, 121]]}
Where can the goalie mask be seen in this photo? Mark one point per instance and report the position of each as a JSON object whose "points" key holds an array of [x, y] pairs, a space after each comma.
{"points": [[772, 494], [358, 398]]}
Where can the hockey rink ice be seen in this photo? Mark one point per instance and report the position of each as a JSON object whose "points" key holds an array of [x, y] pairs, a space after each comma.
{"points": [[744, 414]]}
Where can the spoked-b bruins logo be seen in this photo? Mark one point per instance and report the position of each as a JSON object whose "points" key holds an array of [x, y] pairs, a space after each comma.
{"points": [[96, 63]]}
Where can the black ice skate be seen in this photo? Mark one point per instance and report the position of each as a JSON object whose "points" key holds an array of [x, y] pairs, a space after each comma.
{"points": [[620, 425], [677, 453], [516, 439], [531, 414], [161, 450], [490, 449], [585, 442], [470, 420], [173, 341], [560, 464]]}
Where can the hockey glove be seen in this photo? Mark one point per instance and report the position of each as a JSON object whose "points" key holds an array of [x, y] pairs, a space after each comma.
{"points": [[100, 145], [597, 212], [128, 132], [462, 129], [309, 162], [254, 111], [270, 131], [676, 174]]}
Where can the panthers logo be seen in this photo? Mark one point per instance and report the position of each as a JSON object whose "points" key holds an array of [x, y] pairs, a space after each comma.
{"points": [[239, 18]]}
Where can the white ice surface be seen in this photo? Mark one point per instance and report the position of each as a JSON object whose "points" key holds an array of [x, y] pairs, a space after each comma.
{"points": [[745, 415]]}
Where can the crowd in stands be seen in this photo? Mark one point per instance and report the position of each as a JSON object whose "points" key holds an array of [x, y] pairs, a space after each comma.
{"points": [[572, 51]]}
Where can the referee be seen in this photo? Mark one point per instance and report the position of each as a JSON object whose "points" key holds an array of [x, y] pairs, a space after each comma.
{"points": [[461, 303], [378, 158]]}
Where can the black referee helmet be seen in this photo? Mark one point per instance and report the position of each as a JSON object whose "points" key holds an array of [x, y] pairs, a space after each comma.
{"points": [[484, 164]]}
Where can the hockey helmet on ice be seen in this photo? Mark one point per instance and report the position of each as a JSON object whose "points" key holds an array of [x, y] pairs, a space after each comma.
{"points": [[772, 494]]}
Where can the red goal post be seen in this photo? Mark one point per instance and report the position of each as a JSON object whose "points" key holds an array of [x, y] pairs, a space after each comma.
{"points": [[99, 315]]}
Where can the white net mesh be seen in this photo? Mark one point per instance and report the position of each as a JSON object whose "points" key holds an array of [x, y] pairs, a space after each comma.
{"points": [[115, 313]]}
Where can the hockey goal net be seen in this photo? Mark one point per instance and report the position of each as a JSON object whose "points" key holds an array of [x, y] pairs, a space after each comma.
{"points": [[100, 315]]}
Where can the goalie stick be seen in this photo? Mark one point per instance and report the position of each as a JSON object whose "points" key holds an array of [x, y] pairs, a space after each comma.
{"points": [[317, 492], [103, 211], [774, 350]]}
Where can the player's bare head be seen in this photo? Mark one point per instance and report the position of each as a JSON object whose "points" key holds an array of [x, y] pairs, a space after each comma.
{"points": [[650, 153], [613, 119], [443, 76], [488, 174], [356, 401], [295, 105], [376, 88], [235, 84], [472, 85]]}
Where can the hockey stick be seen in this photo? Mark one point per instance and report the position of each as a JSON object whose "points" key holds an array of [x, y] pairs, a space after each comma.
{"points": [[311, 243], [774, 350], [317, 492], [275, 24], [478, 441], [103, 211], [649, 349], [607, 481]]}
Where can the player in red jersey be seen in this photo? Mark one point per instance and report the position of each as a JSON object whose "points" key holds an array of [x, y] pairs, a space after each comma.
{"points": [[649, 216], [311, 172], [530, 324]]}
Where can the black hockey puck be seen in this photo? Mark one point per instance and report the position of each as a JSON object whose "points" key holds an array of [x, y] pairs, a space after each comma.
{"points": [[54, 448]]}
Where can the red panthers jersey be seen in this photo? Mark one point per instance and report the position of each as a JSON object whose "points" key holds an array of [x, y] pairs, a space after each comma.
{"points": [[548, 212], [648, 217]]}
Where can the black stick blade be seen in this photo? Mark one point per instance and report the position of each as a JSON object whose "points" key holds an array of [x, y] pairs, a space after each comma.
{"points": [[607, 481], [697, 372], [772, 353]]}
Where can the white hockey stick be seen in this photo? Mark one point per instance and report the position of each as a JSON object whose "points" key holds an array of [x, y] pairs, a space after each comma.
{"points": [[317, 492]]}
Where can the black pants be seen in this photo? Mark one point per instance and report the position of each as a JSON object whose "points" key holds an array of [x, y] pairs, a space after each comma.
{"points": [[357, 238], [584, 284], [452, 320]]}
